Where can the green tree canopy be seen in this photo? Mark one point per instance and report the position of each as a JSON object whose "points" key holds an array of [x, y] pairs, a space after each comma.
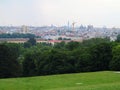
{"points": [[9, 66]]}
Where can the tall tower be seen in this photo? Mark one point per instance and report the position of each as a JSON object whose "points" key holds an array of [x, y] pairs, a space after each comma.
{"points": [[73, 26]]}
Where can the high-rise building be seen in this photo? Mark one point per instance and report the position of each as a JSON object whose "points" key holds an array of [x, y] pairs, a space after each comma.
{"points": [[24, 29], [68, 26]]}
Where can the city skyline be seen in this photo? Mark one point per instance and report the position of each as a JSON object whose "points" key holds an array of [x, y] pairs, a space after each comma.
{"points": [[46, 12]]}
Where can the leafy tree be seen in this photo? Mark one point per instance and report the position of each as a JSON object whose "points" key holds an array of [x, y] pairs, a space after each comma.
{"points": [[83, 63], [32, 41], [60, 45], [9, 66], [118, 38], [72, 45], [60, 38], [29, 65], [27, 45], [94, 41], [115, 62], [55, 62], [81, 59], [101, 56]]}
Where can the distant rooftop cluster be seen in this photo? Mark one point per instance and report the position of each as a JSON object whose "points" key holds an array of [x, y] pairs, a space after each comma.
{"points": [[64, 32]]}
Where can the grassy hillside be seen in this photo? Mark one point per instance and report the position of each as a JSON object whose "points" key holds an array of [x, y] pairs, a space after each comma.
{"points": [[81, 81]]}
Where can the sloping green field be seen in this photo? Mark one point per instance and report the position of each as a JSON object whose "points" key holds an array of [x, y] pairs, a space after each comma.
{"points": [[81, 81]]}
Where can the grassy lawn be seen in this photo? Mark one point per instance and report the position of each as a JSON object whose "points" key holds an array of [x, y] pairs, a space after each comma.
{"points": [[81, 81]]}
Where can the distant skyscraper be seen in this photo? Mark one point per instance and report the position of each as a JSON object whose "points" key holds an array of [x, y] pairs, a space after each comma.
{"points": [[68, 26], [24, 29], [90, 27]]}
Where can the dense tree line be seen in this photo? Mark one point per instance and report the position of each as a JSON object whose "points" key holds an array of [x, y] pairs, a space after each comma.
{"points": [[33, 59], [17, 35]]}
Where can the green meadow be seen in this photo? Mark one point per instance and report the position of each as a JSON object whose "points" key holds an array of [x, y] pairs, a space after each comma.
{"points": [[106, 80]]}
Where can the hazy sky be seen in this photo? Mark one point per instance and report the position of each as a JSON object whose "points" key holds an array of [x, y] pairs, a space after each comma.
{"points": [[59, 12]]}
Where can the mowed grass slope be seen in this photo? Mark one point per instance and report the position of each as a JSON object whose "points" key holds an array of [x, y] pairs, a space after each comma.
{"points": [[81, 81]]}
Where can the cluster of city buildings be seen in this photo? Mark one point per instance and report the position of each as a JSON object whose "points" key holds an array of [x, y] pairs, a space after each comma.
{"points": [[52, 32]]}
